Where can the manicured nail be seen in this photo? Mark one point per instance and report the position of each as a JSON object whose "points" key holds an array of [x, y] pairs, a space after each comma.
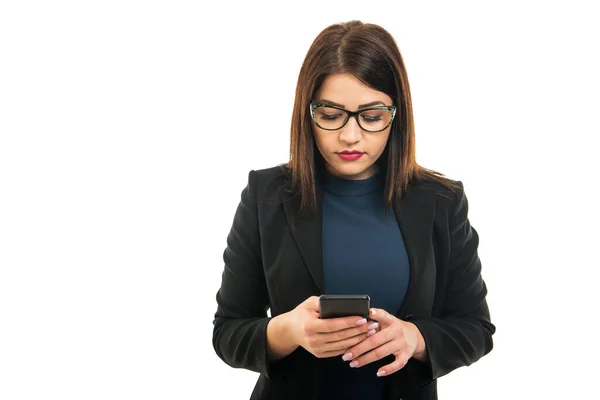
{"points": [[373, 326], [361, 321], [373, 311], [381, 373], [354, 364], [371, 332], [347, 356]]}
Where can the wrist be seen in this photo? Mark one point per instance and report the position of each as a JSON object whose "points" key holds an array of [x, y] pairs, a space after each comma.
{"points": [[420, 349], [281, 340]]}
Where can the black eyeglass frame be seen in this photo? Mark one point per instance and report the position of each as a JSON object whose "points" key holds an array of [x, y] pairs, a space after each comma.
{"points": [[349, 114]]}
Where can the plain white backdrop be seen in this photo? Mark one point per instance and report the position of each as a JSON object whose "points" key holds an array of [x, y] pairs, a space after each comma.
{"points": [[127, 130]]}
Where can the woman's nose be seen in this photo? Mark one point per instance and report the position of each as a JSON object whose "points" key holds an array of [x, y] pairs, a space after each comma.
{"points": [[351, 132]]}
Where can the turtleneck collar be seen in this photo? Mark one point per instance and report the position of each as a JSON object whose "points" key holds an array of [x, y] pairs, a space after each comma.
{"points": [[350, 187]]}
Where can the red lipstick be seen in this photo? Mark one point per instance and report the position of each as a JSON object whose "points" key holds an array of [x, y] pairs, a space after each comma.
{"points": [[350, 155]]}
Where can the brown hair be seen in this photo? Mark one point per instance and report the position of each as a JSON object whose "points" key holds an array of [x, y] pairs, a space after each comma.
{"points": [[368, 52]]}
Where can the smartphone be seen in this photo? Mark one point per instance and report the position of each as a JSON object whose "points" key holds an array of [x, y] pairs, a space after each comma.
{"points": [[344, 305]]}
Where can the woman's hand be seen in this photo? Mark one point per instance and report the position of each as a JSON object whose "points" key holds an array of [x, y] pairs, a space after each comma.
{"points": [[397, 337], [326, 337]]}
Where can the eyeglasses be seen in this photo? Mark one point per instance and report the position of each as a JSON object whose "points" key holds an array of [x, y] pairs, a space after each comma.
{"points": [[332, 118]]}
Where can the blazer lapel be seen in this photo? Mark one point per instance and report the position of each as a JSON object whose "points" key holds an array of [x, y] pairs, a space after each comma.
{"points": [[415, 213], [306, 230]]}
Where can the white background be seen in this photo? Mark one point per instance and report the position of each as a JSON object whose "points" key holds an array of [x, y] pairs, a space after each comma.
{"points": [[127, 130]]}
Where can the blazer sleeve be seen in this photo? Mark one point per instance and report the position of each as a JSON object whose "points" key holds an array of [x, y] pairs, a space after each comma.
{"points": [[463, 332], [240, 322]]}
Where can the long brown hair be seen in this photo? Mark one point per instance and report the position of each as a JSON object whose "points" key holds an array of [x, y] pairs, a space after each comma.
{"points": [[368, 52]]}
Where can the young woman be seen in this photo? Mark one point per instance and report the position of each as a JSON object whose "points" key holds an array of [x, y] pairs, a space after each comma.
{"points": [[352, 213]]}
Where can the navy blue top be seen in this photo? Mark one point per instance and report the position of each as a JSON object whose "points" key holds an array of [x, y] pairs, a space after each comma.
{"points": [[363, 253]]}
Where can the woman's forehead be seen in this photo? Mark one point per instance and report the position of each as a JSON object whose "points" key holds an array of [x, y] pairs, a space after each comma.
{"points": [[345, 90]]}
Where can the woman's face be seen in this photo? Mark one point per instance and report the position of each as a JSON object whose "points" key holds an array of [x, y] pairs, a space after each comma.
{"points": [[346, 91]]}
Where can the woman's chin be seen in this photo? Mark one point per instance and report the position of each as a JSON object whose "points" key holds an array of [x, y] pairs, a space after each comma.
{"points": [[351, 170]]}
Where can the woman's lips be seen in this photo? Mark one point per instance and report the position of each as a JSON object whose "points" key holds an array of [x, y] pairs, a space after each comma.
{"points": [[350, 155]]}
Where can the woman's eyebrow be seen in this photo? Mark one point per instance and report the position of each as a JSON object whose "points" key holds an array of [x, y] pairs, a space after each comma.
{"points": [[333, 103]]}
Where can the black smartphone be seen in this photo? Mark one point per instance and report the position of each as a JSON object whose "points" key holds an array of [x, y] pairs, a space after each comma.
{"points": [[344, 305]]}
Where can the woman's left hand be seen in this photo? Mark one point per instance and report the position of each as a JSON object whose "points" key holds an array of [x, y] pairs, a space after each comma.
{"points": [[394, 336]]}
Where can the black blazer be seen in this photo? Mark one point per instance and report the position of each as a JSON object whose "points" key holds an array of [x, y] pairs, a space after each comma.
{"points": [[273, 260]]}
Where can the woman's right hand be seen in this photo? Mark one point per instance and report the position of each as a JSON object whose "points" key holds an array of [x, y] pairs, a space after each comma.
{"points": [[326, 337]]}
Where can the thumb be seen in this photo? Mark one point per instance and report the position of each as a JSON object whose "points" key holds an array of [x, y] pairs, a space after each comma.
{"points": [[380, 315], [312, 303]]}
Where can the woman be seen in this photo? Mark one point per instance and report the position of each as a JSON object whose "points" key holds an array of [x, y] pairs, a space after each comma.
{"points": [[352, 212]]}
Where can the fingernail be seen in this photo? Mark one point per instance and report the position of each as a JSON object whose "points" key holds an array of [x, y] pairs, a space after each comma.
{"points": [[381, 373], [347, 356], [354, 364], [373, 326], [371, 332], [361, 321], [373, 312]]}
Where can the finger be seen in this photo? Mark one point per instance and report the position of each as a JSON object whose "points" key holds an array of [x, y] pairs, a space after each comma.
{"points": [[340, 346], [349, 332], [394, 366], [334, 350], [375, 354], [372, 342], [337, 324], [332, 353], [379, 314]]}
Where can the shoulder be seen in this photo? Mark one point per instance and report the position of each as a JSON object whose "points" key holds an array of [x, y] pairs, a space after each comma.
{"points": [[264, 183], [449, 193], [442, 186], [277, 173]]}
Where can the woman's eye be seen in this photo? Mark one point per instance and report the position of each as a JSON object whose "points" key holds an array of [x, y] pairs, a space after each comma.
{"points": [[330, 117], [371, 118]]}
